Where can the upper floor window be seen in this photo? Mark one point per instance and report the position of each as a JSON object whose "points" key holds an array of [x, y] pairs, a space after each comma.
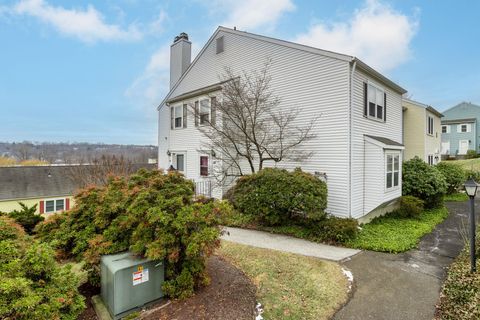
{"points": [[178, 116], [375, 102], [464, 127], [430, 125], [204, 111], [392, 170], [446, 129]]}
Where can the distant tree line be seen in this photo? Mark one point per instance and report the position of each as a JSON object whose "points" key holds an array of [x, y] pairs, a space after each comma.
{"points": [[32, 153]]}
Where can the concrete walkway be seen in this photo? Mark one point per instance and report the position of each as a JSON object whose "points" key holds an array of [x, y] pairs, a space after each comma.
{"points": [[406, 286], [289, 244]]}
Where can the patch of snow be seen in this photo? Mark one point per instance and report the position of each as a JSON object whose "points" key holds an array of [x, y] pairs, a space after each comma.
{"points": [[414, 265], [259, 310], [349, 276]]}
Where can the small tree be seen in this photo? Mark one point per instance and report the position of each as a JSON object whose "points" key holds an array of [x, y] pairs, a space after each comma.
{"points": [[454, 175], [251, 127], [26, 217]]}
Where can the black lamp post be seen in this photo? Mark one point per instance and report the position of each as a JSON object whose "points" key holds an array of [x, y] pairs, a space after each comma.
{"points": [[471, 189]]}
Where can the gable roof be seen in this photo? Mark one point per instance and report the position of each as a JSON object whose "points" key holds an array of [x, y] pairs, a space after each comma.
{"points": [[463, 103], [422, 105], [360, 64], [25, 182]]}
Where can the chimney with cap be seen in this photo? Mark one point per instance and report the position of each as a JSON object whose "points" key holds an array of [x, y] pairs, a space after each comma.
{"points": [[180, 57]]}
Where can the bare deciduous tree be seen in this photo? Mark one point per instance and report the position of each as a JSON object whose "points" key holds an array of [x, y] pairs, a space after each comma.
{"points": [[98, 171], [250, 127]]}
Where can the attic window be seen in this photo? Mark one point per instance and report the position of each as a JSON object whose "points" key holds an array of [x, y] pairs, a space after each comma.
{"points": [[219, 45]]}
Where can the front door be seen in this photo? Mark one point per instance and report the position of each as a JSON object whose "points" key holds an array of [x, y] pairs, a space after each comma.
{"points": [[446, 147], [462, 146]]}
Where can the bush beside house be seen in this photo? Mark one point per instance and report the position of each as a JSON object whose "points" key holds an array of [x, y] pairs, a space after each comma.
{"points": [[424, 182], [454, 176], [287, 202], [26, 217], [152, 214], [33, 285]]}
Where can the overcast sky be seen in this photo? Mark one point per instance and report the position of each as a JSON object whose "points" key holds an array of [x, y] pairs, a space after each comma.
{"points": [[96, 70]]}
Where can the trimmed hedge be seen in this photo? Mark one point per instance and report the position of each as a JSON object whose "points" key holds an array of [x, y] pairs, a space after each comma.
{"points": [[152, 214], [424, 182], [33, 285], [454, 175], [277, 196]]}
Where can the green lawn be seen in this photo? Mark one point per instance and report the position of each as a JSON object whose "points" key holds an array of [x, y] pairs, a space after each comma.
{"points": [[468, 164], [456, 197], [290, 286], [393, 234]]}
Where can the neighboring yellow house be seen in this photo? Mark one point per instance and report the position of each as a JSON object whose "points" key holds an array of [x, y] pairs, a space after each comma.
{"points": [[421, 131], [49, 187]]}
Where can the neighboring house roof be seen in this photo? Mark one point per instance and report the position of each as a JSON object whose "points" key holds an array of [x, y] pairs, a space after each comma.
{"points": [[466, 120], [25, 182], [360, 64], [422, 105], [463, 103], [385, 142]]}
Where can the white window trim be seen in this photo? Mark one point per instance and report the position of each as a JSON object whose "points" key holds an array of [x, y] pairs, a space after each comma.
{"points": [[377, 87], [54, 205], [393, 153], [447, 127], [175, 117], [433, 125], [174, 157], [209, 101], [200, 165]]}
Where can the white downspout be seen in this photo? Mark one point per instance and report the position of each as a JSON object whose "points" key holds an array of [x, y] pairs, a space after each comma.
{"points": [[350, 139]]}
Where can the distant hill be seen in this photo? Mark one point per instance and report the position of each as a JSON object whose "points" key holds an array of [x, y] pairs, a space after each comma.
{"points": [[73, 153]]}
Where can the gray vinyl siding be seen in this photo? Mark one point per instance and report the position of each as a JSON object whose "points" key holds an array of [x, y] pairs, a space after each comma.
{"points": [[391, 129], [317, 85]]}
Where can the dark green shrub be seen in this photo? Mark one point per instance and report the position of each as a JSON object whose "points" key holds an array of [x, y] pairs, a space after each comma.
{"points": [[277, 196], [424, 182], [471, 154], [410, 207], [26, 217], [150, 213], [337, 230], [454, 175], [33, 285]]}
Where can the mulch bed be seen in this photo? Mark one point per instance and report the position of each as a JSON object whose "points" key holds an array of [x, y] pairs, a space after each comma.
{"points": [[230, 295]]}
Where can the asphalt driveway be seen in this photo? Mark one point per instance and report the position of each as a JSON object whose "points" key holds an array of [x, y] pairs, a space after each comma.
{"points": [[406, 286]]}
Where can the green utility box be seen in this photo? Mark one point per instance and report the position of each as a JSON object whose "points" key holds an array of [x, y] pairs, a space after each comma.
{"points": [[129, 282]]}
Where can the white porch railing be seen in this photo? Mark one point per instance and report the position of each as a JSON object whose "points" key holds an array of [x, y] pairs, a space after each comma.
{"points": [[203, 188]]}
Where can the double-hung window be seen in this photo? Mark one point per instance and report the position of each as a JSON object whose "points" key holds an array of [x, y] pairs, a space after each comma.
{"points": [[204, 113], [204, 166], [376, 103], [444, 129], [54, 205], [392, 170], [464, 128], [178, 117], [430, 125]]}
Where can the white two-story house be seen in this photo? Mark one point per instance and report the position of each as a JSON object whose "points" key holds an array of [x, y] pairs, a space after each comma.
{"points": [[358, 144]]}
